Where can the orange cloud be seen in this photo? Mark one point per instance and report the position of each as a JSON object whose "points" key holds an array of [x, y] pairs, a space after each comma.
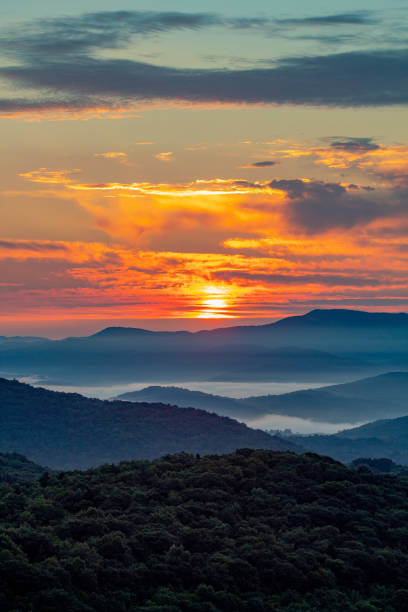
{"points": [[112, 155], [377, 159], [166, 157], [97, 280], [54, 177]]}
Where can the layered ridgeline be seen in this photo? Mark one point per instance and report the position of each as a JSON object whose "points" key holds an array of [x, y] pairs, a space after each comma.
{"points": [[323, 345], [363, 400], [254, 531], [384, 438], [67, 430]]}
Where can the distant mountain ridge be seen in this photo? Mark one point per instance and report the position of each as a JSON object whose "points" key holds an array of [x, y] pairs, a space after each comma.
{"points": [[343, 316], [322, 345], [365, 399], [383, 438]]}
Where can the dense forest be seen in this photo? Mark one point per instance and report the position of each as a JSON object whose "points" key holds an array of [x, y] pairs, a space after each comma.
{"points": [[254, 531], [17, 468]]}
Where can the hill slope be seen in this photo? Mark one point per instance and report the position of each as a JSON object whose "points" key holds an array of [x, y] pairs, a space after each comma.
{"points": [[385, 438], [365, 399], [254, 531], [224, 406], [16, 468], [389, 430], [67, 430]]}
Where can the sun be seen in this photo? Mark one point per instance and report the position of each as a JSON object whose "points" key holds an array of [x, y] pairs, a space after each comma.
{"points": [[216, 302]]}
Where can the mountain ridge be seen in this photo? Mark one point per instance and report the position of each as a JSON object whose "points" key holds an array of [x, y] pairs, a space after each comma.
{"points": [[331, 345], [67, 430], [315, 316], [367, 398]]}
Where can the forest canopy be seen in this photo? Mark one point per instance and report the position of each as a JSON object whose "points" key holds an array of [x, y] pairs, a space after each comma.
{"points": [[253, 531]]}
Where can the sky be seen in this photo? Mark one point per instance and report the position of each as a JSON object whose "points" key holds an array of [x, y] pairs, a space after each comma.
{"points": [[170, 165]]}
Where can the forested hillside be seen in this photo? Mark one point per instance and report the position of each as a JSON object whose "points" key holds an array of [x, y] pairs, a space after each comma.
{"points": [[69, 431], [17, 468], [255, 531], [386, 438]]}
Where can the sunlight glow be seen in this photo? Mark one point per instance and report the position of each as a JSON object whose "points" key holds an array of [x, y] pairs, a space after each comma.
{"points": [[216, 303]]}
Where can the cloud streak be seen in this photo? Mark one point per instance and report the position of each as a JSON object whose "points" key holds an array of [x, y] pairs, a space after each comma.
{"points": [[354, 18], [74, 36], [262, 164], [329, 80], [57, 59]]}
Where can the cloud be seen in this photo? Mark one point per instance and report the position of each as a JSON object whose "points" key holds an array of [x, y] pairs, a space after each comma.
{"points": [[379, 160], [42, 247], [308, 206], [102, 30], [333, 280], [59, 59], [354, 18], [166, 156], [64, 108], [354, 144], [262, 164], [51, 279], [118, 156], [315, 206], [82, 34], [53, 177], [111, 155], [330, 80]]}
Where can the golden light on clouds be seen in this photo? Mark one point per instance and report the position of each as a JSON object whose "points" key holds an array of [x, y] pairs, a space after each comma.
{"points": [[216, 302], [212, 248]]}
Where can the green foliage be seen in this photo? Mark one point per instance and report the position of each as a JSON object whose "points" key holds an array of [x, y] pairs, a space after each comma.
{"points": [[16, 468], [255, 531]]}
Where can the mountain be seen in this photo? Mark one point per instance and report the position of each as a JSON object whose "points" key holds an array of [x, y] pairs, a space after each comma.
{"points": [[129, 357], [341, 317], [380, 439], [322, 345], [17, 468], [254, 531], [362, 400], [224, 406], [67, 430], [380, 466], [389, 430], [347, 450]]}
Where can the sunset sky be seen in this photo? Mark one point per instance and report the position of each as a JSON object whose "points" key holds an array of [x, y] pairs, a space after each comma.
{"points": [[189, 165]]}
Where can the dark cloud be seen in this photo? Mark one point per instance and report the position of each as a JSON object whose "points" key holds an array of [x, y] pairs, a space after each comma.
{"points": [[108, 30], [318, 207], [115, 29], [346, 79], [58, 57], [301, 279], [32, 245], [354, 144], [61, 103], [263, 164], [355, 18]]}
